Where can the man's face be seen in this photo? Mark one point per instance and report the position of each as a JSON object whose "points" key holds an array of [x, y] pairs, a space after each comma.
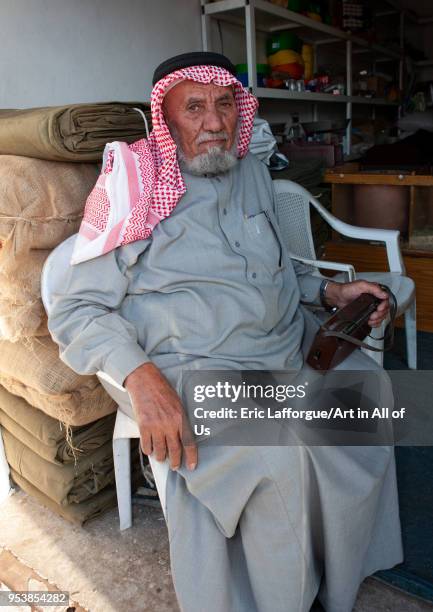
{"points": [[201, 117]]}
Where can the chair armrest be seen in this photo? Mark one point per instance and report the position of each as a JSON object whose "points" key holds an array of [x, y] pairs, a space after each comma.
{"points": [[389, 237], [110, 380], [330, 265]]}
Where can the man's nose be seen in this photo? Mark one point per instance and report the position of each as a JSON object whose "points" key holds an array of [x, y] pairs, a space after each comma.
{"points": [[213, 121]]}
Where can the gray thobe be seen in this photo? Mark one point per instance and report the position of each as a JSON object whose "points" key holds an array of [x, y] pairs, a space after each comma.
{"points": [[252, 528]]}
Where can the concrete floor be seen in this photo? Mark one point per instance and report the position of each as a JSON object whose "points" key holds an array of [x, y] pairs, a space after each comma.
{"points": [[106, 570]]}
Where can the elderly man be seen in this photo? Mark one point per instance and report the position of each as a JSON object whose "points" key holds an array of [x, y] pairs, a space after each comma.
{"points": [[179, 266]]}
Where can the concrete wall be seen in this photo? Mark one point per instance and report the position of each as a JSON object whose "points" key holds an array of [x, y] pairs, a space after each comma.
{"points": [[65, 51]]}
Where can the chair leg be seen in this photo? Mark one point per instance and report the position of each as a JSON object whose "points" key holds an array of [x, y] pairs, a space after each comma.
{"points": [[122, 471], [411, 340]]}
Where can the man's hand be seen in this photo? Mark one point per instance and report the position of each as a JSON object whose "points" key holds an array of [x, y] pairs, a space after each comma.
{"points": [[160, 416], [340, 294]]}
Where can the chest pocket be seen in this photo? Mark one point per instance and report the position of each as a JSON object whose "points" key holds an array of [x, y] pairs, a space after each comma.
{"points": [[266, 244]]}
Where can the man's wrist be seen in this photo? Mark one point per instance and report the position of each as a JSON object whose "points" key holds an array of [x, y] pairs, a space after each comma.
{"points": [[124, 359], [329, 292], [134, 378]]}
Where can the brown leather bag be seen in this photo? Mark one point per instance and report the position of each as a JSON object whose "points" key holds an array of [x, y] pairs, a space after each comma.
{"points": [[345, 330]]}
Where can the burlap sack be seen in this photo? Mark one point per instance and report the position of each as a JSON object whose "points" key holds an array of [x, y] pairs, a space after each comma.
{"points": [[20, 275], [20, 321], [21, 311], [41, 202], [31, 369]]}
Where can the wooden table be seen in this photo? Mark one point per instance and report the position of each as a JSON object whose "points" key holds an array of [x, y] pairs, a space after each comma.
{"points": [[367, 257]]}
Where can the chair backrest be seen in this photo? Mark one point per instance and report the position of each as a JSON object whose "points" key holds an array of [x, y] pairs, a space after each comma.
{"points": [[294, 220], [54, 269]]}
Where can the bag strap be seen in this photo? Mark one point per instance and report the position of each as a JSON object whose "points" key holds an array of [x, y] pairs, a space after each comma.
{"points": [[388, 337]]}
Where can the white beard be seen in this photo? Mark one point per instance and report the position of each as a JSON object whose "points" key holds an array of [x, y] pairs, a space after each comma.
{"points": [[214, 161]]}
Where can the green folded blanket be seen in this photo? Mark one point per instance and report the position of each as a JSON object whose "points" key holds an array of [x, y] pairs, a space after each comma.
{"points": [[64, 484], [84, 511], [48, 437], [77, 132]]}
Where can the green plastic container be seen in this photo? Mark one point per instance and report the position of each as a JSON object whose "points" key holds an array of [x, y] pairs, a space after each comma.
{"points": [[261, 68], [314, 7], [295, 5], [281, 41], [262, 72]]}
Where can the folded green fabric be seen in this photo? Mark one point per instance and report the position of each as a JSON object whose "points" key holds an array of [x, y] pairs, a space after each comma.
{"points": [[76, 132], [86, 510], [47, 436], [64, 484]]}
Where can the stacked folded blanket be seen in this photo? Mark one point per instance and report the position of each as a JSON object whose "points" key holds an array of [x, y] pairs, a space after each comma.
{"points": [[71, 483], [48, 437], [76, 133], [69, 470], [84, 511]]}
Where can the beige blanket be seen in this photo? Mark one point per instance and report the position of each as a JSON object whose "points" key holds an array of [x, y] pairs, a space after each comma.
{"points": [[77, 132], [31, 369], [41, 204]]}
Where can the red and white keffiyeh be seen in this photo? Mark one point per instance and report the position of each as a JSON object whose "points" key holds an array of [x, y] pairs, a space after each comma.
{"points": [[141, 183]]}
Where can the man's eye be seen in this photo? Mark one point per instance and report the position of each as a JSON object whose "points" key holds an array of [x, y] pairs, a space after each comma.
{"points": [[226, 107], [194, 107]]}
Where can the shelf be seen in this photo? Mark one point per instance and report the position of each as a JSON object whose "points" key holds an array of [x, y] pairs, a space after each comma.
{"points": [[282, 94], [350, 175], [269, 18], [373, 101], [428, 63]]}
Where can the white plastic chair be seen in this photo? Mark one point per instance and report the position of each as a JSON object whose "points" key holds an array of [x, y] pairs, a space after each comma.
{"points": [[293, 212], [125, 427]]}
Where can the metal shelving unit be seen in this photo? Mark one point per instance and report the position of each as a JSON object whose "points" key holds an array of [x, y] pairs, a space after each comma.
{"points": [[309, 96], [262, 16]]}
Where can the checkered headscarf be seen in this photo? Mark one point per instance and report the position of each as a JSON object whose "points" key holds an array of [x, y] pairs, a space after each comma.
{"points": [[140, 184]]}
